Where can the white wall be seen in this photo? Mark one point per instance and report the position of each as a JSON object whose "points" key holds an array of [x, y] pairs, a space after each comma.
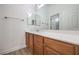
{"points": [[12, 32], [1, 27], [68, 15]]}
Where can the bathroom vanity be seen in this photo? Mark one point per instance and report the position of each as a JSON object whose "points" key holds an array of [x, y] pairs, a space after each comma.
{"points": [[52, 43]]}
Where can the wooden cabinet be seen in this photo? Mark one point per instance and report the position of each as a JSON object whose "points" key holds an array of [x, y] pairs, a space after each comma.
{"points": [[38, 45], [59, 47]]}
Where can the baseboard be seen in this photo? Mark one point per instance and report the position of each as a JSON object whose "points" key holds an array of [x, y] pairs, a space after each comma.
{"points": [[12, 49]]}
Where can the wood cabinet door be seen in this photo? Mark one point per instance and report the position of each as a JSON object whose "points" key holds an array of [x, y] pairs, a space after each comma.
{"points": [[30, 42], [49, 51], [61, 47], [38, 45]]}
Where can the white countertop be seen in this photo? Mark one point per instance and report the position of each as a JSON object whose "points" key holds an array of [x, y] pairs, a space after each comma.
{"points": [[66, 36]]}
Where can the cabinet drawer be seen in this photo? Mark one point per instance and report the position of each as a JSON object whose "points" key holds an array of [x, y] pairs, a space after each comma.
{"points": [[61, 47]]}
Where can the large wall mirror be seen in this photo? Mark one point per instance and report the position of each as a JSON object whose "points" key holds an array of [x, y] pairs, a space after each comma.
{"points": [[57, 17]]}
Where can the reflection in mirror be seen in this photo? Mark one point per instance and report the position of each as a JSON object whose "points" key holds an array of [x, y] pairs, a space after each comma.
{"points": [[33, 16], [38, 19], [31, 19], [54, 22], [68, 16], [34, 20], [56, 16]]}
